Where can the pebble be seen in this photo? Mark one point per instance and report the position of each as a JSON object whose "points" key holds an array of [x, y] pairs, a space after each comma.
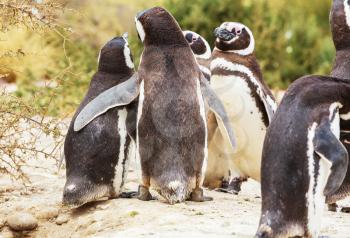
{"points": [[103, 206], [6, 233], [2, 223], [21, 221], [48, 213], [61, 219]]}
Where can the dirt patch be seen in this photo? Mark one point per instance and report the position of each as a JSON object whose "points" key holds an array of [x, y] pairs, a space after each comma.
{"points": [[227, 216]]}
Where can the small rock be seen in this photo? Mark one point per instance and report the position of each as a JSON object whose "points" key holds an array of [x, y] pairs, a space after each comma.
{"points": [[21, 221], [48, 213], [6, 233], [61, 219], [103, 206], [2, 223]]}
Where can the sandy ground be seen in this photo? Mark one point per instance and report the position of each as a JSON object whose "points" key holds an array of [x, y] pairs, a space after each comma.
{"points": [[227, 216]]}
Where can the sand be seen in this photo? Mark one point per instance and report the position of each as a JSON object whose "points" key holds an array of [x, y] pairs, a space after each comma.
{"points": [[227, 216]]}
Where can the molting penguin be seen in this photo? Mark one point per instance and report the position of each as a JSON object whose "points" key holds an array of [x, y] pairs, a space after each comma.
{"points": [[306, 150], [201, 50], [171, 123], [97, 157], [237, 79]]}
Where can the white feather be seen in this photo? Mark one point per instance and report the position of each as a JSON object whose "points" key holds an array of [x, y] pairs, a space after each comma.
{"points": [[204, 118], [139, 114], [140, 30], [118, 174], [313, 224], [345, 117], [127, 57], [347, 12], [204, 69]]}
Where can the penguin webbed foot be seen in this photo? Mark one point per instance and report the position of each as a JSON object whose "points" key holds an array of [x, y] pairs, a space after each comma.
{"points": [[197, 195], [333, 207], [128, 195], [233, 187], [345, 210], [144, 194], [227, 190]]}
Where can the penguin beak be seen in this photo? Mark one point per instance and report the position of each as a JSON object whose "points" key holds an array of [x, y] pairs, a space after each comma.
{"points": [[223, 34]]}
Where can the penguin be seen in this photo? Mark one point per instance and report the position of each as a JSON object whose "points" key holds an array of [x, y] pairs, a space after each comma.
{"points": [[237, 79], [303, 159], [97, 157], [306, 149], [171, 123], [340, 27], [202, 51]]}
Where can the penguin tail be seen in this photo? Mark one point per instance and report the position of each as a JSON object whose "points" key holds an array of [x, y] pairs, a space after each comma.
{"points": [[175, 191]]}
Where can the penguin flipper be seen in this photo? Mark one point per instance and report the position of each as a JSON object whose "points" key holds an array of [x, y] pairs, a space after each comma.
{"points": [[218, 108], [119, 95], [328, 147]]}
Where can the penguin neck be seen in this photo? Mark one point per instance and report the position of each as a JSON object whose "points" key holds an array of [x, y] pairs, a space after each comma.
{"points": [[249, 61], [341, 67]]}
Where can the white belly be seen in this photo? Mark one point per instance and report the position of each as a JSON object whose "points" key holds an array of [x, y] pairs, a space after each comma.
{"points": [[246, 120]]}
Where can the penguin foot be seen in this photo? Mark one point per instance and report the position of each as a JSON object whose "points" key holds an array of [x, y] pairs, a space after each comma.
{"points": [[144, 194], [129, 194], [227, 190], [345, 209], [197, 195], [233, 187], [332, 207]]}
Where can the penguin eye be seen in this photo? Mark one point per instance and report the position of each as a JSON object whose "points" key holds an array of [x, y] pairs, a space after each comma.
{"points": [[238, 32]]}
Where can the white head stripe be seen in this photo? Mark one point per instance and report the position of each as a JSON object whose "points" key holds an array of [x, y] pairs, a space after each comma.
{"points": [[226, 65], [126, 36], [127, 56], [140, 29], [347, 12]]}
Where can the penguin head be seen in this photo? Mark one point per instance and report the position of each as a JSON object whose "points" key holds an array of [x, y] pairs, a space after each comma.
{"points": [[340, 23], [234, 37], [81, 190], [115, 56], [157, 26], [198, 44]]}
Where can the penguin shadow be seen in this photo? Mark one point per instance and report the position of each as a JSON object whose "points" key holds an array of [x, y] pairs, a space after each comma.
{"points": [[87, 208], [96, 205]]}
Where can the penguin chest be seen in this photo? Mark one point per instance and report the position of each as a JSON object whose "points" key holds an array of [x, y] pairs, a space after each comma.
{"points": [[245, 117]]}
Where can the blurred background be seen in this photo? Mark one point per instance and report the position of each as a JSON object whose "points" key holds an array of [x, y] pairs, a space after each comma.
{"points": [[48, 50]]}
